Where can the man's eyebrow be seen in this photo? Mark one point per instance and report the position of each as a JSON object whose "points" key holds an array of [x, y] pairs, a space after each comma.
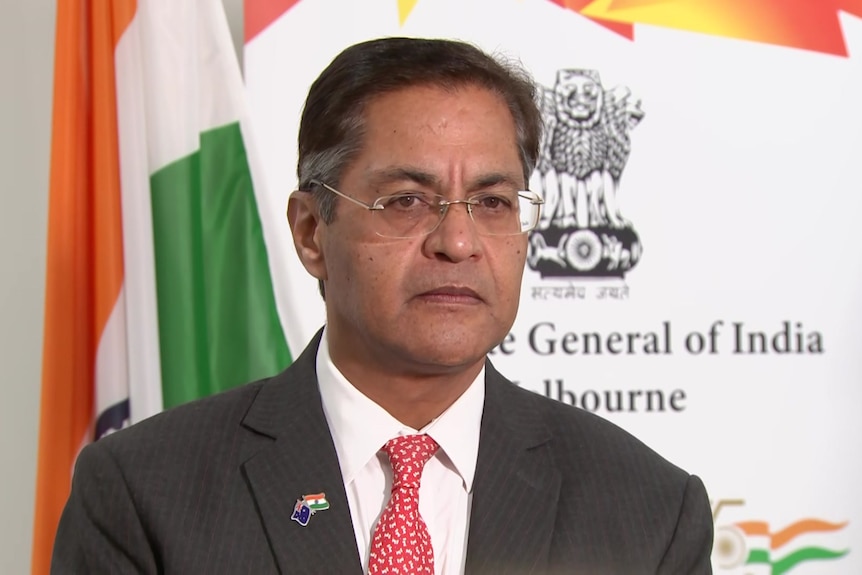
{"points": [[405, 173], [497, 178], [427, 179]]}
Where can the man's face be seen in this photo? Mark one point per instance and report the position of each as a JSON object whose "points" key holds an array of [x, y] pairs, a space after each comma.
{"points": [[439, 302]]}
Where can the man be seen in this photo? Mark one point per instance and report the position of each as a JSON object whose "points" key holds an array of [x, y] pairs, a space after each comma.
{"points": [[413, 158]]}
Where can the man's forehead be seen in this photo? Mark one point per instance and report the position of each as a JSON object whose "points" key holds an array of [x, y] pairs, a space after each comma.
{"points": [[377, 118]]}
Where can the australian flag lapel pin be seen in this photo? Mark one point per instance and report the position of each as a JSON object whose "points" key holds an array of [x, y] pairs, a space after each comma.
{"points": [[307, 506]]}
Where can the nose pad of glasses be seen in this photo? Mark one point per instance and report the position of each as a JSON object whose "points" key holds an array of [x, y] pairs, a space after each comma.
{"points": [[445, 208]]}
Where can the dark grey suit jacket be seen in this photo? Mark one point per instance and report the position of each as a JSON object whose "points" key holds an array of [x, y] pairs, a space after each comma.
{"points": [[209, 487]]}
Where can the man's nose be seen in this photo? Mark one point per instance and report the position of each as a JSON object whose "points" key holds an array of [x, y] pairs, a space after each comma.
{"points": [[455, 238]]}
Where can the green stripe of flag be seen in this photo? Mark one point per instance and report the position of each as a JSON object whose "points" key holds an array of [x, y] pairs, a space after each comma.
{"points": [[785, 564], [218, 323], [805, 554], [756, 556]]}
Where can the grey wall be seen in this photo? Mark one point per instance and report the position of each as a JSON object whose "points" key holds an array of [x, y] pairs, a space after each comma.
{"points": [[27, 57], [26, 67]]}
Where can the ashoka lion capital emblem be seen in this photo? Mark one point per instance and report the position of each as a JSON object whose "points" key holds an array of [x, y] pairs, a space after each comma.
{"points": [[583, 151]]}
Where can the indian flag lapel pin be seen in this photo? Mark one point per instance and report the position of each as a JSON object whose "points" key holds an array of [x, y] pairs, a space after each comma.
{"points": [[307, 506]]}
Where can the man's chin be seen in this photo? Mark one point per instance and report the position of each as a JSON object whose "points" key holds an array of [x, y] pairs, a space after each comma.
{"points": [[445, 357]]}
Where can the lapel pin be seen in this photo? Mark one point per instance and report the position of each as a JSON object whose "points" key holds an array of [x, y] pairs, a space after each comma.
{"points": [[307, 506]]}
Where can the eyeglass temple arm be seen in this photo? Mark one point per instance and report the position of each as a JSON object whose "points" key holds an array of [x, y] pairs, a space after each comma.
{"points": [[345, 196]]}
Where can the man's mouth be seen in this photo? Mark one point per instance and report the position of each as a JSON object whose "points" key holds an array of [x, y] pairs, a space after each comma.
{"points": [[451, 294]]}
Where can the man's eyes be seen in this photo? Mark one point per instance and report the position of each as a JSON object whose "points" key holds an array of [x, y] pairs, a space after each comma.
{"points": [[408, 199], [494, 201], [405, 200]]}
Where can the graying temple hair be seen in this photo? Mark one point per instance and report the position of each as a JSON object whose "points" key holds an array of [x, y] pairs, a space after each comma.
{"points": [[328, 165]]}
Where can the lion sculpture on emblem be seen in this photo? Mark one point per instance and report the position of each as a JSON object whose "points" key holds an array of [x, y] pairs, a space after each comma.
{"points": [[584, 149]]}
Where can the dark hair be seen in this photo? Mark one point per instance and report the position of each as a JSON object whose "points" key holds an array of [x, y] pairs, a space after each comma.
{"points": [[332, 125]]}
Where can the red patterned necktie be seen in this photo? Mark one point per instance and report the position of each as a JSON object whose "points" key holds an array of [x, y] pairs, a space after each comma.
{"points": [[401, 544]]}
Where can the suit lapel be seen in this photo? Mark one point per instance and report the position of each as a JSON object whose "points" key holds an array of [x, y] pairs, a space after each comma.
{"points": [[300, 460], [516, 487]]}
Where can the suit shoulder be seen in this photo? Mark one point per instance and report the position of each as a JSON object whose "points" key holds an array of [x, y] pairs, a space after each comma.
{"points": [[576, 431], [189, 426]]}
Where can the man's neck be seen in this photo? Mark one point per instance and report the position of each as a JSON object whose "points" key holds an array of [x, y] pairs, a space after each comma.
{"points": [[412, 397]]}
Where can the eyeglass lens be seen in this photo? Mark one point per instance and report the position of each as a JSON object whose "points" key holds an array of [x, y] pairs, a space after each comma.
{"points": [[413, 215]]}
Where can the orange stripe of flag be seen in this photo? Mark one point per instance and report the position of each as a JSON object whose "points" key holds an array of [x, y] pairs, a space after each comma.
{"points": [[754, 527], [800, 527], [85, 260], [784, 536]]}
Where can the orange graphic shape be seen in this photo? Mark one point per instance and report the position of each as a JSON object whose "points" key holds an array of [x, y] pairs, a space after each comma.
{"points": [[781, 538], [623, 29], [259, 14]]}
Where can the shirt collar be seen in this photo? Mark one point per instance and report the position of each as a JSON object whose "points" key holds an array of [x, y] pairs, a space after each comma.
{"points": [[360, 427]]}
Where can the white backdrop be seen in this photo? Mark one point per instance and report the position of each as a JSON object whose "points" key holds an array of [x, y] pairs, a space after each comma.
{"points": [[744, 190]]}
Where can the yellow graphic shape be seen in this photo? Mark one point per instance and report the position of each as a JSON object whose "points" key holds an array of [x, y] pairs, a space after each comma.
{"points": [[809, 24], [405, 7], [715, 17]]}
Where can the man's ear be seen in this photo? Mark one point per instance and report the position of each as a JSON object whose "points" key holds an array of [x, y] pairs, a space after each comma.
{"points": [[307, 230]]}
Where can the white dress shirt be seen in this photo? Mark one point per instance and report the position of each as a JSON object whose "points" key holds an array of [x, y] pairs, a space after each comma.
{"points": [[360, 428]]}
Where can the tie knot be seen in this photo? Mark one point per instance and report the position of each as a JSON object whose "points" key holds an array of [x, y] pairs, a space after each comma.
{"points": [[408, 455]]}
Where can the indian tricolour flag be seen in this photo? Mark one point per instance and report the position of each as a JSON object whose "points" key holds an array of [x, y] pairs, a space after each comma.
{"points": [[159, 287]]}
